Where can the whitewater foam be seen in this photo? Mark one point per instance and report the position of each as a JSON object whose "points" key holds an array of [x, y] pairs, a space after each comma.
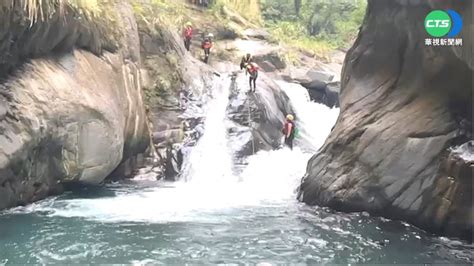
{"points": [[315, 120], [208, 184]]}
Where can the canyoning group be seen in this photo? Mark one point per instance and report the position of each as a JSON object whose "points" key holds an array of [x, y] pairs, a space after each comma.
{"points": [[251, 69], [206, 43]]}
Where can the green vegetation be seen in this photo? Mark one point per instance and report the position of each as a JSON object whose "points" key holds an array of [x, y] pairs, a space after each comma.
{"points": [[168, 12], [93, 25], [153, 18], [42, 10], [314, 25], [248, 9], [294, 35]]}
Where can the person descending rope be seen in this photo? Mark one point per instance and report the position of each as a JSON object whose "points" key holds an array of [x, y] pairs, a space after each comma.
{"points": [[188, 35], [206, 46], [247, 59], [289, 130], [252, 70]]}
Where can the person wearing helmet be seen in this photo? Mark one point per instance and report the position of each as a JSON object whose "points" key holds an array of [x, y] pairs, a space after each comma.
{"points": [[289, 130], [246, 59], [188, 35], [206, 46], [252, 70]]}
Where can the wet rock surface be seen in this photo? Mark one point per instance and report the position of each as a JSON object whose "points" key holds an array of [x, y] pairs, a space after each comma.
{"points": [[185, 85], [257, 117], [402, 111], [320, 79], [177, 86], [319, 84]]}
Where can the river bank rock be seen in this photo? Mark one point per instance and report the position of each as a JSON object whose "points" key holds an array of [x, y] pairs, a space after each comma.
{"points": [[320, 84], [402, 109], [69, 115]]}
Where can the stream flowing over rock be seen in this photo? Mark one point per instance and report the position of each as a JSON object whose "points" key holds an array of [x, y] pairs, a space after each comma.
{"points": [[405, 109], [258, 117], [69, 115], [179, 86]]}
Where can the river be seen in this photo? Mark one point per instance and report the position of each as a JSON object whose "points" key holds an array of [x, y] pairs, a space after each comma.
{"points": [[216, 215]]}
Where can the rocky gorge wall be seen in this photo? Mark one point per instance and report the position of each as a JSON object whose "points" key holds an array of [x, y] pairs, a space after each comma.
{"points": [[71, 108], [179, 86], [406, 112]]}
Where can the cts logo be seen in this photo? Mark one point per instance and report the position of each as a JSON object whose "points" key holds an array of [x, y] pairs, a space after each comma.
{"points": [[439, 23]]}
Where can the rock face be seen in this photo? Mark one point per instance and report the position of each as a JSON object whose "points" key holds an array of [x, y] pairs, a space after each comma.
{"points": [[322, 84], [258, 117], [180, 86], [403, 105], [322, 92], [321, 79], [176, 88], [69, 116]]}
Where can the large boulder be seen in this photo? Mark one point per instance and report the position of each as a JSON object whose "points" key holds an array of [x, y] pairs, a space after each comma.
{"points": [[321, 83], [403, 106], [270, 62], [258, 33], [322, 92], [69, 116], [258, 117]]}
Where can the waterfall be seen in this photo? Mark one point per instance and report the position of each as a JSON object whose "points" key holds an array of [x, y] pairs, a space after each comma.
{"points": [[211, 159], [214, 217], [208, 184], [314, 120]]}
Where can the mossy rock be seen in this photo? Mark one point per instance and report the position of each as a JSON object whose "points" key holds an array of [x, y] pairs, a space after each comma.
{"points": [[30, 29]]}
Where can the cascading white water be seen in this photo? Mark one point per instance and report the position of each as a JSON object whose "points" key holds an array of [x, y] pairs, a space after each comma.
{"points": [[210, 160], [315, 120], [275, 174], [208, 183], [215, 217]]}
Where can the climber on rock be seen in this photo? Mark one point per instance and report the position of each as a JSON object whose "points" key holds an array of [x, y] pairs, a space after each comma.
{"points": [[206, 45], [171, 170], [247, 59], [289, 130], [252, 70], [188, 35]]}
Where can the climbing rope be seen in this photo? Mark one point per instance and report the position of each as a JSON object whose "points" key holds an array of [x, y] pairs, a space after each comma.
{"points": [[247, 103], [250, 123]]}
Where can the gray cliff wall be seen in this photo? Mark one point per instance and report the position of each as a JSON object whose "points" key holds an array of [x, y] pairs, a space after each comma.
{"points": [[69, 115], [403, 107]]}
